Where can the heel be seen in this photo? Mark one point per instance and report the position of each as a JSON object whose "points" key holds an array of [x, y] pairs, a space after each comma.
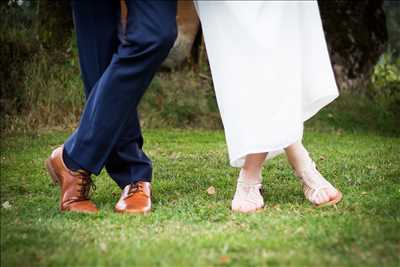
{"points": [[51, 172]]}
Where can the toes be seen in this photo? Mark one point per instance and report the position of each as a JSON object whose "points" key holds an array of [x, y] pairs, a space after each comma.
{"points": [[244, 207], [330, 194], [247, 210], [319, 200], [326, 195], [321, 197], [249, 207], [333, 194]]}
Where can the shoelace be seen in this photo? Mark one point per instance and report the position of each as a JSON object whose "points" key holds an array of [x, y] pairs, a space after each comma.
{"points": [[134, 188], [85, 185]]}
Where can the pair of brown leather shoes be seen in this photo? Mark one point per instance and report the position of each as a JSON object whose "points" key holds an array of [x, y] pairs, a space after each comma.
{"points": [[75, 187]]}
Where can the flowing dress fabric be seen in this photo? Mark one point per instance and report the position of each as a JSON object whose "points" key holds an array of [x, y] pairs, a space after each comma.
{"points": [[271, 71]]}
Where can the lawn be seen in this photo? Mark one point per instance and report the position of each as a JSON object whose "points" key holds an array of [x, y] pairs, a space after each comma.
{"points": [[189, 227]]}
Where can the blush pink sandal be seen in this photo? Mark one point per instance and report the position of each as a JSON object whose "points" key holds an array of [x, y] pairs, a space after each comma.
{"points": [[315, 186], [247, 197]]}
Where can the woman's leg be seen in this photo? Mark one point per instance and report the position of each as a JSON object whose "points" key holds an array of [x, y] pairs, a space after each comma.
{"points": [[252, 167], [247, 196], [316, 188], [298, 156]]}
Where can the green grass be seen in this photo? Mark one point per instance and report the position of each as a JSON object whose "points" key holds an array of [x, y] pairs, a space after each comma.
{"points": [[189, 227]]}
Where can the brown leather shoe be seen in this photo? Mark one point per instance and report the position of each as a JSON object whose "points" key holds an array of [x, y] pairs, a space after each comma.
{"points": [[75, 185], [135, 198]]}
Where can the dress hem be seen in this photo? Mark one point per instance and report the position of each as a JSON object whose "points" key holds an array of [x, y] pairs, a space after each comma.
{"points": [[239, 162], [325, 100]]}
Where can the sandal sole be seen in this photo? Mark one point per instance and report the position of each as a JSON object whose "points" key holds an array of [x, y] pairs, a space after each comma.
{"points": [[254, 211]]}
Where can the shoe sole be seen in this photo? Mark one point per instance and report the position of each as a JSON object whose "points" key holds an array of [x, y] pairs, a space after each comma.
{"points": [[332, 202], [132, 212]]}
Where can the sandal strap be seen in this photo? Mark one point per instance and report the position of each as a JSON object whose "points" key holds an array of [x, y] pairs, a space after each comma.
{"points": [[314, 191], [248, 188], [313, 178], [251, 186], [248, 192], [313, 182]]}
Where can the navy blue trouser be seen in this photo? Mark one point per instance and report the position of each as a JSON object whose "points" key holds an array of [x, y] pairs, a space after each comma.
{"points": [[116, 75]]}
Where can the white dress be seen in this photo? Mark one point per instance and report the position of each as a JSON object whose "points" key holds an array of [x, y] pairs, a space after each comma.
{"points": [[271, 71]]}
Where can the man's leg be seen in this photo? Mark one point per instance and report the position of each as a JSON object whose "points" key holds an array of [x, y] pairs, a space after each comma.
{"points": [[150, 33], [127, 162], [113, 100], [97, 30]]}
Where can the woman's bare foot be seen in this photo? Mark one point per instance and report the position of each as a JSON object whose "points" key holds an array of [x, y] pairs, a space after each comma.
{"points": [[315, 187], [248, 197]]}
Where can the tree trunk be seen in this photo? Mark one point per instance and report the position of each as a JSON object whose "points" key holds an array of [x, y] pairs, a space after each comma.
{"points": [[356, 35], [188, 28], [355, 31]]}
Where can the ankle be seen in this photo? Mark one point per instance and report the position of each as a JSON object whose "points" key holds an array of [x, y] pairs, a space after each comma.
{"points": [[70, 163], [304, 164], [252, 176], [299, 159]]}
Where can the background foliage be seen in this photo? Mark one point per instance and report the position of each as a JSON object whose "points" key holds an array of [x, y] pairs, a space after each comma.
{"points": [[41, 86]]}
